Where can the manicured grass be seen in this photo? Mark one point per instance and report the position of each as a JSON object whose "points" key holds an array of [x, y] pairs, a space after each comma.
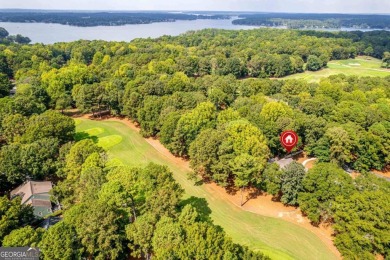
{"points": [[277, 238], [77, 121], [94, 131], [109, 141], [361, 66]]}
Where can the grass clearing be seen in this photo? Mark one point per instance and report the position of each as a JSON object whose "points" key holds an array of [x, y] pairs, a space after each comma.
{"points": [[360, 66], [277, 238], [109, 141], [94, 131], [77, 121]]}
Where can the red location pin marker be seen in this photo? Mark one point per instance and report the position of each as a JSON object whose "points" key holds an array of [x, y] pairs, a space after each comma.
{"points": [[289, 140]]}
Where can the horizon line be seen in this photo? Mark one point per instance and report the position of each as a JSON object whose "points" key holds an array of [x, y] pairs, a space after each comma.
{"points": [[168, 10]]}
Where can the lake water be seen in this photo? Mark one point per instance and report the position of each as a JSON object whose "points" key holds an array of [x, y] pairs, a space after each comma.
{"points": [[50, 33]]}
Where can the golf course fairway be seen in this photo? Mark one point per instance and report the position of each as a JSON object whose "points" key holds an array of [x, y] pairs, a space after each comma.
{"points": [[276, 238]]}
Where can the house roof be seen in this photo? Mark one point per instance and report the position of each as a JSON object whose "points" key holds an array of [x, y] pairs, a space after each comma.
{"points": [[41, 203], [36, 194], [284, 162], [30, 188]]}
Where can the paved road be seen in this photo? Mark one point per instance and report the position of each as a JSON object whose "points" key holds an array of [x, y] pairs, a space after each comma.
{"points": [[306, 161]]}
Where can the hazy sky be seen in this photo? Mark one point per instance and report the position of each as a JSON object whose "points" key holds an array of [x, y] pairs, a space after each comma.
{"points": [[317, 6]]}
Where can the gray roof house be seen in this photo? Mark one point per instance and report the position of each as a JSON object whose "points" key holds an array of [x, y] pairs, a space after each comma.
{"points": [[284, 162], [36, 194]]}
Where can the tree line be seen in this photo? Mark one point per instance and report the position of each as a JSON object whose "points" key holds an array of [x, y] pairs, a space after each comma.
{"points": [[5, 38], [311, 21], [88, 19]]}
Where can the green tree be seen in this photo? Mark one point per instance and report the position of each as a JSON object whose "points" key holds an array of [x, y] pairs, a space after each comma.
{"points": [[189, 215], [272, 179], [314, 63], [124, 190], [27, 105], [372, 150], [369, 51], [89, 96], [386, 60], [218, 97], [3, 33], [22, 39], [4, 65], [291, 183], [190, 125], [77, 155], [272, 111], [60, 242], [26, 236], [5, 85], [13, 127], [204, 151], [149, 114], [227, 115], [91, 179], [370, 182], [330, 89], [234, 66], [246, 138], [321, 186], [140, 234], [162, 193], [362, 225], [237, 145], [189, 65], [36, 160], [63, 102], [246, 170], [346, 111], [167, 238], [340, 145], [179, 82], [168, 127], [319, 105], [100, 229], [206, 241], [50, 124], [13, 215], [10, 167]]}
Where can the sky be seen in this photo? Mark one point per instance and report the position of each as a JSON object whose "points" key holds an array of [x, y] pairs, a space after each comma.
{"points": [[307, 6]]}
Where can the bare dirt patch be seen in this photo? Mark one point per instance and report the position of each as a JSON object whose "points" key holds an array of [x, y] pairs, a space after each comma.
{"points": [[301, 157], [384, 173], [310, 165], [304, 159]]}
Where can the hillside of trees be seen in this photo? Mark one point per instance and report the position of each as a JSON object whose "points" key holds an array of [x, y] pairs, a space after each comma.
{"points": [[194, 94], [315, 21], [86, 19]]}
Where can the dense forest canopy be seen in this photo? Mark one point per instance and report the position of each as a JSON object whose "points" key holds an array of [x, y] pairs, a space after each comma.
{"points": [[99, 18], [311, 21], [208, 97]]}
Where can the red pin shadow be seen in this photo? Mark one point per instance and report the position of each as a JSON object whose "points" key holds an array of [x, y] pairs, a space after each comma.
{"points": [[289, 140]]}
